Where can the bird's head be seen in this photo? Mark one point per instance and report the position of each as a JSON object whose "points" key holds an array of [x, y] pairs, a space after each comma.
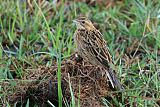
{"points": [[84, 23]]}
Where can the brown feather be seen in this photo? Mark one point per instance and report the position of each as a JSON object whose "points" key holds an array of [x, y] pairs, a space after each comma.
{"points": [[92, 48]]}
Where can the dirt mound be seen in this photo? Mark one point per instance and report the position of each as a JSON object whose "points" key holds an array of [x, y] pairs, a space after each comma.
{"points": [[89, 85]]}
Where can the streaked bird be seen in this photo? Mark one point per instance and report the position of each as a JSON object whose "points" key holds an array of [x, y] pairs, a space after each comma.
{"points": [[92, 48]]}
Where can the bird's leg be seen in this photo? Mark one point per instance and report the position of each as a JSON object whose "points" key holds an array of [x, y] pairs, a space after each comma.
{"points": [[87, 74], [101, 70], [93, 69]]}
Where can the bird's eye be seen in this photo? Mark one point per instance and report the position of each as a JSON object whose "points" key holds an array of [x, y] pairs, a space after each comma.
{"points": [[83, 22]]}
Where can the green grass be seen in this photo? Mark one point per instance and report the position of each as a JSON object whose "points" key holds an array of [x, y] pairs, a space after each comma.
{"points": [[28, 33]]}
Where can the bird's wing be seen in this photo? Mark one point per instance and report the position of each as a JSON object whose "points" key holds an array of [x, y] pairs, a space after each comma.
{"points": [[99, 48], [95, 46]]}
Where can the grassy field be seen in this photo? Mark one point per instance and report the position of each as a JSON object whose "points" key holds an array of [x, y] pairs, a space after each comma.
{"points": [[40, 33]]}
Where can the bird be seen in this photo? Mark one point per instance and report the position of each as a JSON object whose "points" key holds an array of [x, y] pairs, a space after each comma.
{"points": [[92, 47]]}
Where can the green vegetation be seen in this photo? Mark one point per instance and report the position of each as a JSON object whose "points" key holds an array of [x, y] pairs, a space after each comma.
{"points": [[41, 33]]}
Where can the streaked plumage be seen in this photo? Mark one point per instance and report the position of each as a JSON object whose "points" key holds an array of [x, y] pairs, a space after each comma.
{"points": [[92, 48]]}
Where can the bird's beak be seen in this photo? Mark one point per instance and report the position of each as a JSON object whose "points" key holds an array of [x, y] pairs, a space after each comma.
{"points": [[75, 21]]}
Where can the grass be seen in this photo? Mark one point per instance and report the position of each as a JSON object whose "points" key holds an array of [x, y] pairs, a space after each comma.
{"points": [[28, 33]]}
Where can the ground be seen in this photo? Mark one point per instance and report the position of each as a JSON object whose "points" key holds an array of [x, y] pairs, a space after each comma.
{"points": [[38, 66]]}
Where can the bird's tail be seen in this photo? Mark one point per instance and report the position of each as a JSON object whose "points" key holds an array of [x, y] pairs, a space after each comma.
{"points": [[114, 80]]}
